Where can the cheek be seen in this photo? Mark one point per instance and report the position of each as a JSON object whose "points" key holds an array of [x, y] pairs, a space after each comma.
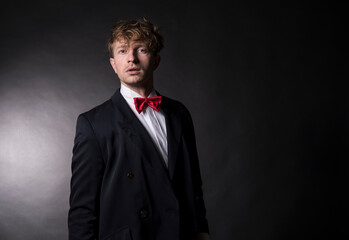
{"points": [[148, 64], [117, 67]]}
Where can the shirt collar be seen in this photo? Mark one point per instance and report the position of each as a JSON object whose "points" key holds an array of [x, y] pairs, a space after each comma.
{"points": [[129, 94]]}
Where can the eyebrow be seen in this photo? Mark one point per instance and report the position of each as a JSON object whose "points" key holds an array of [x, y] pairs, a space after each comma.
{"points": [[140, 44], [135, 45], [122, 46]]}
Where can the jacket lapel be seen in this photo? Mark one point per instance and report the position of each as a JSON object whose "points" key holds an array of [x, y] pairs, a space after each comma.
{"points": [[174, 132], [134, 129]]}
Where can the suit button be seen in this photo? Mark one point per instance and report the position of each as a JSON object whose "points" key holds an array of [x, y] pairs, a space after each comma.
{"points": [[144, 213], [130, 175]]}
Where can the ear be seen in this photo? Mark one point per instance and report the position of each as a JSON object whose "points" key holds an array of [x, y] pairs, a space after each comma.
{"points": [[112, 63], [157, 59]]}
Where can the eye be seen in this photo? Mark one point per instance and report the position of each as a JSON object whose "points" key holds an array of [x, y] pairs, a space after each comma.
{"points": [[142, 50], [122, 51]]}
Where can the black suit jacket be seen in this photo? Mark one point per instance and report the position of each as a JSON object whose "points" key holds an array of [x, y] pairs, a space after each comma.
{"points": [[120, 188]]}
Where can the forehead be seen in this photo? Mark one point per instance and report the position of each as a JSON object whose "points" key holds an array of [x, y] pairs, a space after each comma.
{"points": [[132, 43]]}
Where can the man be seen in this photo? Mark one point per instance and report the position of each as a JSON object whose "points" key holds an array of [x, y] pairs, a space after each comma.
{"points": [[135, 170]]}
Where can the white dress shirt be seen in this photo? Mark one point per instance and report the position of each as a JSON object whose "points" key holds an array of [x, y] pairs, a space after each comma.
{"points": [[153, 121]]}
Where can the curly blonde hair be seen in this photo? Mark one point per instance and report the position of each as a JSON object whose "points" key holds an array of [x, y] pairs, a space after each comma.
{"points": [[136, 30]]}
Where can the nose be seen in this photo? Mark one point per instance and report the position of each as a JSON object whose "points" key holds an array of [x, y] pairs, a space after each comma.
{"points": [[132, 56]]}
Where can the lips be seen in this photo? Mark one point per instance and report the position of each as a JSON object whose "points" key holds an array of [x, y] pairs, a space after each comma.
{"points": [[133, 70]]}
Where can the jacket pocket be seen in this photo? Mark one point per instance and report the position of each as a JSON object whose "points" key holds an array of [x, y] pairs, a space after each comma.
{"points": [[122, 233]]}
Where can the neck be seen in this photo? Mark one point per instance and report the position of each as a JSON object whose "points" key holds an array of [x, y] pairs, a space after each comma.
{"points": [[144, 91]]}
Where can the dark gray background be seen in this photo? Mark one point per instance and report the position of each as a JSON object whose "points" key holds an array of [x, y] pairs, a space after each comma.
{"points": [[264, 83]]}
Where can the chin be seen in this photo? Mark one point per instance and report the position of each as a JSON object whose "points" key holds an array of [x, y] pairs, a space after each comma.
{"points": [[134, 83]]}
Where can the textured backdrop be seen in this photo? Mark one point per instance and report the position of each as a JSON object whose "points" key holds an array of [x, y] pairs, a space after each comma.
{"points": [[264, 84]]}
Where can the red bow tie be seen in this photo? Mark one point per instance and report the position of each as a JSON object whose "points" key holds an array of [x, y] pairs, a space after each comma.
{"points": [[142, 103]]}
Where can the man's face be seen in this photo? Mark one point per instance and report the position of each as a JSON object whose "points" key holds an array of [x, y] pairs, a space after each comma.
{"points": [[134, 63]]}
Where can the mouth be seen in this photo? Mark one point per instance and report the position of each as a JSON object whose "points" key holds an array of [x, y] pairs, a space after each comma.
{"points": [[133, 70]]}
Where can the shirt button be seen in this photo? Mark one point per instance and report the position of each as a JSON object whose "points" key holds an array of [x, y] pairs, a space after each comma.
{"points": [[144, 213], [130, 175]]}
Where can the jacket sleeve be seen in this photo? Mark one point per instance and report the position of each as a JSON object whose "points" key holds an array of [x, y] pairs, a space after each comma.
{"points": [[197, 181], [87, 172]]}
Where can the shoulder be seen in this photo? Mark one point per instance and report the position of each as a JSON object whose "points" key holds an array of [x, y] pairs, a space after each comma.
{"points": [[95, 122], [96, 115], [175, 106], [99, 110]]}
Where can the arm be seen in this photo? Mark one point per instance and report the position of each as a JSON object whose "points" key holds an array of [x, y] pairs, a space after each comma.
{"points": [[87, 173], [201, 209]]}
